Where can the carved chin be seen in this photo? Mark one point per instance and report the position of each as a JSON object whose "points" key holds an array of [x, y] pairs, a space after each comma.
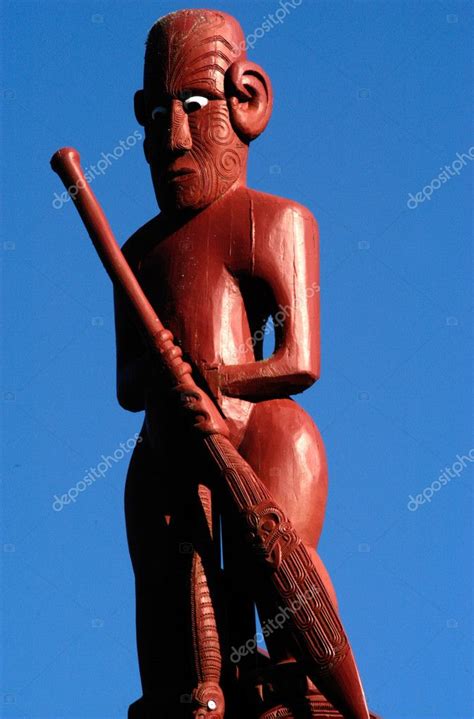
{"points": [[203, 187], [190, 194]]}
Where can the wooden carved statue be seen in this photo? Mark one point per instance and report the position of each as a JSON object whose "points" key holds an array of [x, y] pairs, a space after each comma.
{"points": [[226, 492]]}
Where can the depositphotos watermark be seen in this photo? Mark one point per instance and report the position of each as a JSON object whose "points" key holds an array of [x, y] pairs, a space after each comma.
{"points": [[449, 171], [269, 22], [100, 168], [444, 478], [97, 472], [270, 626]]}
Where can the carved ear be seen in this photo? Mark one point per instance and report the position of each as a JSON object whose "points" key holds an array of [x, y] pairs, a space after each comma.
{"points": [[139, 104], [250, 98]]}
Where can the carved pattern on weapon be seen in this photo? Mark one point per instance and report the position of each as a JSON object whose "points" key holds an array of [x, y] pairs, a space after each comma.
{"points": [[311, 708], [270, 532], [312, 610], [315, 708]]}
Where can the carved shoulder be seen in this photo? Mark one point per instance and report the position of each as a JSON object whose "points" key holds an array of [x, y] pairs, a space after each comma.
{"points": [[284, 240], [139, 244], [277, 212]]}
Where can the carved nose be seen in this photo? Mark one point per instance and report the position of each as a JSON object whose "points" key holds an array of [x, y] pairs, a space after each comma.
{"points": [[179, 134]]}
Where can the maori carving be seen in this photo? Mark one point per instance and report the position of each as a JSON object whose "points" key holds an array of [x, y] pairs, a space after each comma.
{"points": [[226, 453]]}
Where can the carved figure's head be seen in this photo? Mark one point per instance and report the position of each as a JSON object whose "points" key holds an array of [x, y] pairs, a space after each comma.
{"points": [[201, 105]]}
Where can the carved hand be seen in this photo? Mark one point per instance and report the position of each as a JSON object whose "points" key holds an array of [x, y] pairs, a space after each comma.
{"points": [[198, 406]]}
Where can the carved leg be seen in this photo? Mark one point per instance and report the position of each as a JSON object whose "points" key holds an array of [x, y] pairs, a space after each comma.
{"points": [[176, 567], [285, 449]]}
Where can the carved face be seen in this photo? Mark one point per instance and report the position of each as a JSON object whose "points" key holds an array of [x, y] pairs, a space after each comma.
{"points": [[194, 153]]}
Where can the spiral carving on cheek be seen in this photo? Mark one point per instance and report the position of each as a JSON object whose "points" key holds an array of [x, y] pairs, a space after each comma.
{"points": [[219, 129], [225, 162], [206, 183], [214, 151], [229, 164]]}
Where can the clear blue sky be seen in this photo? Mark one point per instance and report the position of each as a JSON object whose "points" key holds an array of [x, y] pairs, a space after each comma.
{"points": [[372, 100]]}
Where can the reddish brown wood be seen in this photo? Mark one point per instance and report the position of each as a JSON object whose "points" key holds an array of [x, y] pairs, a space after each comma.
{"points": [[217, 261]]}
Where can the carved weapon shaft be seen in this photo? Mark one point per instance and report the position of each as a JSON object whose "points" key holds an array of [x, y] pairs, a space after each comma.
{"points": [[314, 622]]}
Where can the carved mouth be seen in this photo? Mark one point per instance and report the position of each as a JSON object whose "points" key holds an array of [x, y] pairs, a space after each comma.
{"points": [[171, 175]]}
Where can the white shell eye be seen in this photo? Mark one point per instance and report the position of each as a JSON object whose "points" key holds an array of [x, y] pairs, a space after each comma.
{"points": [[159, 110], [196, 102]]}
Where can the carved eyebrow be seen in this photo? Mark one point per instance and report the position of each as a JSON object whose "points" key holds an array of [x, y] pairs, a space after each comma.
{"points": [[191, 90], [163, 98]]}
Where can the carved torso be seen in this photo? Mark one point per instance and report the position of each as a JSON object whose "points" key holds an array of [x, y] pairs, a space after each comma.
{"points": [[215, 278], [202, 259]]}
